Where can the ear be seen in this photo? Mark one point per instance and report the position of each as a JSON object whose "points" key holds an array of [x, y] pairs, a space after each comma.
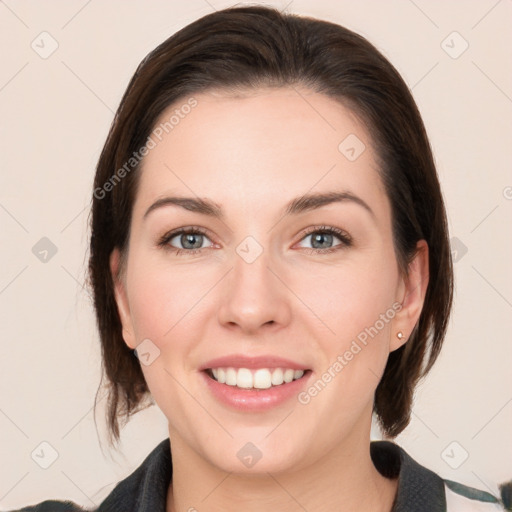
{"points": [[121, 298], [411, 295]]}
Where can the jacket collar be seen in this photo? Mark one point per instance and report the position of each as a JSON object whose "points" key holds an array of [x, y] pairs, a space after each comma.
{"points": [[145, 490], [419, 489]]}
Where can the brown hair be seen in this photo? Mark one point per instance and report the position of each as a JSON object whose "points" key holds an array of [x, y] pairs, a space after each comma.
{"points": [[250, 47]]}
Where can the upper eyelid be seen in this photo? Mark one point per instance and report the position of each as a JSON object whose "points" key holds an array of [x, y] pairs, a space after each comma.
{"points": [[344, 236], [185, 230]]}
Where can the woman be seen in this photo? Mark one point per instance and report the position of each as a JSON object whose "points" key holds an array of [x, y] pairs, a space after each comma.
{"points": [[269, 239]]}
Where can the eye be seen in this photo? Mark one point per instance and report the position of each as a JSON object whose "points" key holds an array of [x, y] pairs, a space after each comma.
{"points": [[189, 240], [323, 239]]}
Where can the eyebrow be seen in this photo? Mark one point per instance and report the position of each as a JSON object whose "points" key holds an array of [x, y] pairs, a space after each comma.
{"points": [[296, 206]]}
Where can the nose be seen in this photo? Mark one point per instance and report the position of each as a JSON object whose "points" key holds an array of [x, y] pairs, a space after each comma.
{"points": [[253, 297]]}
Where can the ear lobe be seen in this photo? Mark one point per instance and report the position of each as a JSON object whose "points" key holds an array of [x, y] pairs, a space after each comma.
{"points": [[123, 307], [413, 291]]}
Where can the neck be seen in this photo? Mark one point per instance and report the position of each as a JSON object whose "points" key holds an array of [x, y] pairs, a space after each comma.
{"points": [[345, 479]]}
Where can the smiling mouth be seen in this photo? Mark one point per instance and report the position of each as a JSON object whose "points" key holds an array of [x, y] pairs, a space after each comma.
{"points": [[257, 379]]}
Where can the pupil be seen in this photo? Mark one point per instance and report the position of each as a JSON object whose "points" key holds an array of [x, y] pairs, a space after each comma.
{"points": [[322, 238], [189, 238]]}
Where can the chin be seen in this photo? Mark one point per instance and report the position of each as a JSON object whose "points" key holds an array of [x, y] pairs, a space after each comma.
{"points": [[242, 456]]}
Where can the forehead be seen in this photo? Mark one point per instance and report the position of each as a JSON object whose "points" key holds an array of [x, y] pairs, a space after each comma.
{"points": [[260, 147]]}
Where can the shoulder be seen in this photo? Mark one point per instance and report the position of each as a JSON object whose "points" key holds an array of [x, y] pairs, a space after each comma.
{"points": [[422, 490], [144, 489], [460, 497]]}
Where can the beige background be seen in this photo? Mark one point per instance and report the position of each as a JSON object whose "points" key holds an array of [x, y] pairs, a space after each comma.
{"points": [[55, 113]]}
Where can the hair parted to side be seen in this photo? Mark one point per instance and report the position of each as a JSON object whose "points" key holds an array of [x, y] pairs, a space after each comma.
{"points": [[244, 48]]}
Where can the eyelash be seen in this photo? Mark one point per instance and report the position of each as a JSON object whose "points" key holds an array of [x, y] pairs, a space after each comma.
{"points": [[343, 236]]}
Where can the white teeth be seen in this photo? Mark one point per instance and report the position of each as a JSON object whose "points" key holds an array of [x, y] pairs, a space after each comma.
{"points": [[277, 377], [244, 378], [231, 377], [262, 378], [288, 375]]}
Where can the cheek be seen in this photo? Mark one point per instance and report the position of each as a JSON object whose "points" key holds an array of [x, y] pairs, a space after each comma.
{"points": [[351, 297], [356, 302], [161, 298], [164, 309]]}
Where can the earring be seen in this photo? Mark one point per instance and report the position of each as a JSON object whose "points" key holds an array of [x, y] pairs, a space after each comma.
{"points": [[399, 335]]}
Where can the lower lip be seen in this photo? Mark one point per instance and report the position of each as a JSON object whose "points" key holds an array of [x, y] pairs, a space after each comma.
{"points": [[255, 400]]}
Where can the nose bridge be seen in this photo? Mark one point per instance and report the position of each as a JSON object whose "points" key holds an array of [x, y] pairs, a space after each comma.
{"points": [[252, 294]]}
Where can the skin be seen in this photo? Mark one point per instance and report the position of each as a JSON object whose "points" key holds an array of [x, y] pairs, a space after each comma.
{"points": [[251, 153]]}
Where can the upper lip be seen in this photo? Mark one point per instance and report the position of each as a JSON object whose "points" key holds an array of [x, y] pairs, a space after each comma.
{"points": [[243, 361]]}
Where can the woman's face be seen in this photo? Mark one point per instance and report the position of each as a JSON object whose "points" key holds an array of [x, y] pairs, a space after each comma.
{"points": [[274, 280]]}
